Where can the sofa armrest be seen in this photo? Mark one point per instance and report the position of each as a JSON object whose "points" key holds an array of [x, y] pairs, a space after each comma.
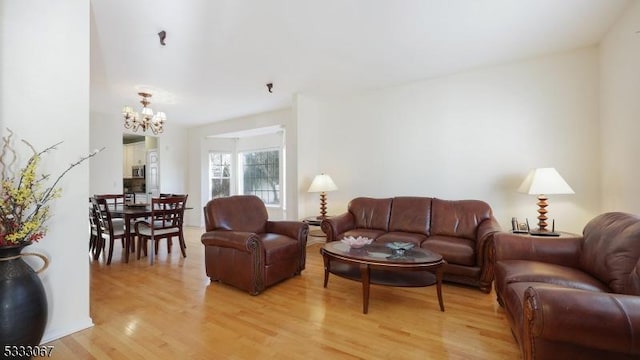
{"points": [[563, 250], [243, 241], [488, 227], [584, 319], [337, 225], [484, 251]]}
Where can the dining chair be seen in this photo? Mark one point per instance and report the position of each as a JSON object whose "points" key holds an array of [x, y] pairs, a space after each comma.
{"points": [[112, 199], [93, 231], [107, 228], [165, 222]]}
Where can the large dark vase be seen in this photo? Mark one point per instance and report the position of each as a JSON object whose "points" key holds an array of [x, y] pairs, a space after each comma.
{"points": [[23, 301]]}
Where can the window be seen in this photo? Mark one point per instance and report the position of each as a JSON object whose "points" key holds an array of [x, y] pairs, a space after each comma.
{"points": [[220, 174], [260, 175]]}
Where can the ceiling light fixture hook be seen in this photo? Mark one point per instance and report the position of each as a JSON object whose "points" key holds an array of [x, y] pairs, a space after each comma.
{"points": [[163, 35], [270, 87]]}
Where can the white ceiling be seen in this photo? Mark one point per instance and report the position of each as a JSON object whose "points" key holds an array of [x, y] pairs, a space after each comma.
{"points": [[220, 54]]}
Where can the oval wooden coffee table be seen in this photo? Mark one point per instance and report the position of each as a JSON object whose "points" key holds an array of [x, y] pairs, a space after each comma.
{"points": [[376, 264]]}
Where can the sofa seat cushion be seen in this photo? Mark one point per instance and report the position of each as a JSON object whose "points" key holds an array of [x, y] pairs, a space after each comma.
{"points": [[454, 250], [369, 233], [401, 236], [279, 247], [512, 271]]}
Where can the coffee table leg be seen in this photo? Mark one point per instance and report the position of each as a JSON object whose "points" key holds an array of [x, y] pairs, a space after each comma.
{"points": [[439, 287], [326, 268], [365, 273]]}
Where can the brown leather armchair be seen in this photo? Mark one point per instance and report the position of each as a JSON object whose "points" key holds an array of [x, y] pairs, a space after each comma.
{"points": [[246, 250]]}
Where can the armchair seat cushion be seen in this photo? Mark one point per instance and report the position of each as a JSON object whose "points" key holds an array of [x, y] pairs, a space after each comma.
{"points": [[278, 248], [456, 250]]}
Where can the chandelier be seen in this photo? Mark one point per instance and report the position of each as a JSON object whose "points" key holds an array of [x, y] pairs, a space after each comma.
{"points": [[133, 120]]}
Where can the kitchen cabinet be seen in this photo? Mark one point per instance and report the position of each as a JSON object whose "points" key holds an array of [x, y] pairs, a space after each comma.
{"points": [[133, 154]]}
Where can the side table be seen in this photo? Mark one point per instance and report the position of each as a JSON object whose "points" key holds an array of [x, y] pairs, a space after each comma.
{"points": [[563, 235], [314, 226]]}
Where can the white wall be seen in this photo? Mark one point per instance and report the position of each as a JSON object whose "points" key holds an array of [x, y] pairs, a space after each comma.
{"points": [[472, 135], [44, 92], [105, 176], [620, 113], [199, 147]]}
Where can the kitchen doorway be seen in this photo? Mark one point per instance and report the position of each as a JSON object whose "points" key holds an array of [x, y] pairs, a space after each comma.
{"points": [[135, 168]]}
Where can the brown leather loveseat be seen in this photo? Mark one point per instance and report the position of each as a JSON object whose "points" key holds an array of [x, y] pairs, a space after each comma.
{"points": [[574, 298], [461, 231]]}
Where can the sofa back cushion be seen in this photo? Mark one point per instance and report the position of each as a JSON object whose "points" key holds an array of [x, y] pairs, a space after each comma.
{"points": [[411, 214], [611, 251], [370, 213], [239, 213], [458, 218]]}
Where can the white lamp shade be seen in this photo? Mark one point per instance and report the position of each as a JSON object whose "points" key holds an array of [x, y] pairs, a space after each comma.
{"points": [[545, 181], [322, 183]]}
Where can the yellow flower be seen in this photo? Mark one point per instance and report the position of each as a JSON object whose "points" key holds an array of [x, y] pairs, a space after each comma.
{"points": [[24, 199]]}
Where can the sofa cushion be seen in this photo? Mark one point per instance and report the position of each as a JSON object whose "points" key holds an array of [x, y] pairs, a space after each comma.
{"points": [[611, 251], [392, 236], [369, 213], [458, 218], [411, 215], [454, 250], [368, 233], [512, 271]]}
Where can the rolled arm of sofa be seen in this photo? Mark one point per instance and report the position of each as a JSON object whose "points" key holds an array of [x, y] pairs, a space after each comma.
{"points": [[243, 241], [484, 251], [337, 225], [565, 317], [547, 249]]}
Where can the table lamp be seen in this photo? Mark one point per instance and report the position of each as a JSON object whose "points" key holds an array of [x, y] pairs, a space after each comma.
{"points": [[322, 183], [541, 182]]}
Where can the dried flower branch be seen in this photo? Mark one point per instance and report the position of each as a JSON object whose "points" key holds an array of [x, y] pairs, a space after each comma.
{"points": [[24, 198]]}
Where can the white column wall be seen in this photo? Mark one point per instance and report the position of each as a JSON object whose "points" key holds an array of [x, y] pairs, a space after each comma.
{"points": [[44, 98]]}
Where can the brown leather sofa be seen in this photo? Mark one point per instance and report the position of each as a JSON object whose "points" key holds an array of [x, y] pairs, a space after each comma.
{"points": [[461, 231], [246, 250], [573, 298]]}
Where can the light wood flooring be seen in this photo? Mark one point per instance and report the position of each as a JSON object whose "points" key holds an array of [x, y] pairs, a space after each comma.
{"points": [[171, 311]]}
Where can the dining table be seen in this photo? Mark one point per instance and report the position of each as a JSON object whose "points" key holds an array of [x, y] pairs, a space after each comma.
{"points": [[129, 212]]}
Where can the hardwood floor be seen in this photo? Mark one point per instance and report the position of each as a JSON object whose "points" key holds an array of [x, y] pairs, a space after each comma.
{"points": [[171, 311]]}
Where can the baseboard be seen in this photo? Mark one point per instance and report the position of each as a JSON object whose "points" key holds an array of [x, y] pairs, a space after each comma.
{"points": [[55, 334]]}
